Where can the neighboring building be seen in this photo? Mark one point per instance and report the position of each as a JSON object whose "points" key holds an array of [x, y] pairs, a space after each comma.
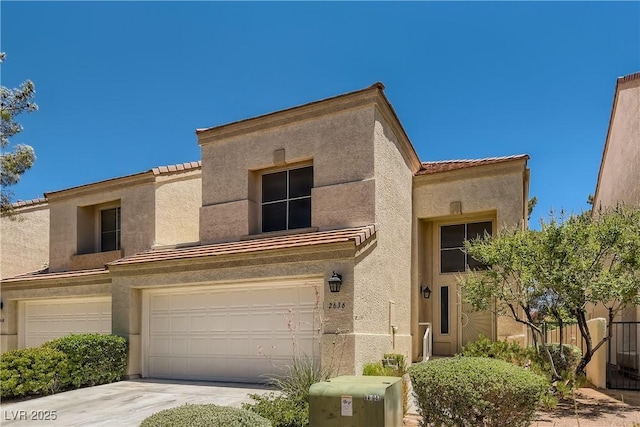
{"points": [[24, 239], [221, 273], [619, 183], [619, 176]]}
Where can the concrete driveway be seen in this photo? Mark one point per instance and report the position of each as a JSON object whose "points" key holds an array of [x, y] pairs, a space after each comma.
{"points": [[124, 403]]}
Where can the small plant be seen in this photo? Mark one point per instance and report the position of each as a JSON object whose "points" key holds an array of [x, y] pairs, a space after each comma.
{"points": [[93, 358], [475, 391], [392, 365], [281, 411], [291, 407], [32, 371], [205, 416]]}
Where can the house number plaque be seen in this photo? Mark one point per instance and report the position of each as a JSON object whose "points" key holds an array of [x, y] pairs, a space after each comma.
{"points": [[337, 305]]}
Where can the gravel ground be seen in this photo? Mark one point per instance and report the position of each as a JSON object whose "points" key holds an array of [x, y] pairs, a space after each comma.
{"points": [[593, 408]]}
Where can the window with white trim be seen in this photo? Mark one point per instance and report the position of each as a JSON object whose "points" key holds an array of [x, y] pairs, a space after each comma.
{"points": [[286, 199], [453, 257]]}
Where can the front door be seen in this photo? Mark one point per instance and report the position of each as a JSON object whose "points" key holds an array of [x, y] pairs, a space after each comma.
{"points": [[445, 318], [455, 324], [474, 323]]}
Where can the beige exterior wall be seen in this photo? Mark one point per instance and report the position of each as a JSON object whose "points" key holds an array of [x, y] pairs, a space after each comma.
{"points": [[177, 204], [75, 222], [24, 241], [338, 145], [619, 175], [494, 193], [155, 210], [619, 179], [382, 304]]}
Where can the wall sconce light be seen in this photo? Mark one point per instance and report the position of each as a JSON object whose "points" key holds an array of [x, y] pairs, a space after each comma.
{"points": [[426, 292], [1, 305], [335, 281]]}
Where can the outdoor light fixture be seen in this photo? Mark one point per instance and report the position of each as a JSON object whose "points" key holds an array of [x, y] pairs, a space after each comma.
{"points": [[426, 292], [335, 281]]}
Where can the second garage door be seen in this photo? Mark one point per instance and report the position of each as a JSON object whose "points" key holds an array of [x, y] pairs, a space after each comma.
{"points": [[235, 333], [43, 320]]}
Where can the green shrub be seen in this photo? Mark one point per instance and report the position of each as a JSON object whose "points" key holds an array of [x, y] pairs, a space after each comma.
{"points": [[281, 411], [299, 377], [391, 365], [566, 366], [374, 369], [475, 391], [527, 356], [93, 358], [205, 416], [508, 351], [31, 371]]}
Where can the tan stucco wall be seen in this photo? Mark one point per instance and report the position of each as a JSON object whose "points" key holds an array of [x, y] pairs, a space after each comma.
{"points": [[338, 145], [494, 192], [620, 171], [382, 298], [137, 221], [155, 210], [24, 241], [177, 205]]}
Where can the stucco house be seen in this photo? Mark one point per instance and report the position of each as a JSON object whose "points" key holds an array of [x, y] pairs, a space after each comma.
{"points": [[619, 182], [313, 230], [619, 175]]}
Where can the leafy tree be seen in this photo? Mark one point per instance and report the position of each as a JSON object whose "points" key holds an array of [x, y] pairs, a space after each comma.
{"points": [[560, 270], [531, 204], [15, 162]]}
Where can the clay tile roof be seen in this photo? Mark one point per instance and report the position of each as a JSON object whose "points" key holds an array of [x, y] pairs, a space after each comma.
{"points": [[628, 77], [160, 170], [44, 274], [358, 235], [32, 202], [449, 165]]}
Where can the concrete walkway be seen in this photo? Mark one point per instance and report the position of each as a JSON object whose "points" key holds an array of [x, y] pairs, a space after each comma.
{"points": [[125, 403]]}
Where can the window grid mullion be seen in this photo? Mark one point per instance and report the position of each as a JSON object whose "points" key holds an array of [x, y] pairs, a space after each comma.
{"points": [[287, 209]]}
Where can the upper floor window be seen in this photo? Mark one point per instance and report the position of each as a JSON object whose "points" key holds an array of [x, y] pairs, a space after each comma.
{"points": [[453, 257], [286, 199], [110, 229]]}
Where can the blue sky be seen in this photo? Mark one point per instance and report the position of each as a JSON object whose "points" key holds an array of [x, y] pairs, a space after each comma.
{"points": [[122, 86]]}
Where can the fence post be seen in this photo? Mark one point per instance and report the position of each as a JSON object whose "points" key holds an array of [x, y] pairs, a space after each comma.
{"points": [[609, 326]]}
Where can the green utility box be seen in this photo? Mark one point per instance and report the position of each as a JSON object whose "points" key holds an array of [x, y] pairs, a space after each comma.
{"points": [[356, 401]]}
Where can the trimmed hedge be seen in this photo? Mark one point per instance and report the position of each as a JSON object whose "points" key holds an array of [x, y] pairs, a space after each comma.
{"points": [[475, 391], [522, 356], [205, 416], [30, 371], [94, 359]]}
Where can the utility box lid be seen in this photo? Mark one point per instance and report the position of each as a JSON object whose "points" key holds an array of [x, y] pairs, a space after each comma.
{"points": [[355, 401]]}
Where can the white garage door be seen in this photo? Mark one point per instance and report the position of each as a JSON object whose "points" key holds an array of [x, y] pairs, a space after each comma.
{"points": [[43, 320], [219, 333]]}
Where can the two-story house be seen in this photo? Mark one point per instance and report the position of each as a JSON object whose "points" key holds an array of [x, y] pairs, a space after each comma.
{"points": [[318, 232], [619, 183]]}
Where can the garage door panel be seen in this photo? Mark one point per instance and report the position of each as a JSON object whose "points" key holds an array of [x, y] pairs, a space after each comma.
{"points": [[44, 320], [216, 336], [179, 323]]}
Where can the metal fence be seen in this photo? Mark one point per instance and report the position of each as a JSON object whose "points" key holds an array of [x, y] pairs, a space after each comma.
{"points": [[623, 362]]}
